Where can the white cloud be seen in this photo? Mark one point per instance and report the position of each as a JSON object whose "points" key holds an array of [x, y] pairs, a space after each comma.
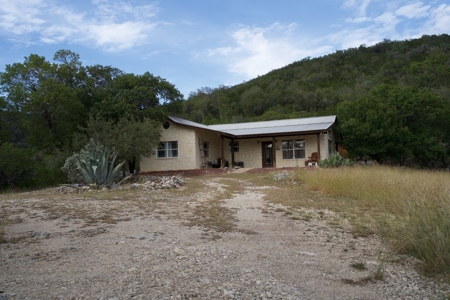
{"points": [[258, 50], [359, 5], [358, 20], [415, 10], [21, 16], [440, 19], [112, 25], [387, 21]]}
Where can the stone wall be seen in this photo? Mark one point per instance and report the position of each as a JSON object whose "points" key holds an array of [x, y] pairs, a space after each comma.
{"points": [[187, 146], [250, 150]]}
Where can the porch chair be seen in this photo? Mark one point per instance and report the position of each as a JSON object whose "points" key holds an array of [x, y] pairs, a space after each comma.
{"points": [[314, 158]]}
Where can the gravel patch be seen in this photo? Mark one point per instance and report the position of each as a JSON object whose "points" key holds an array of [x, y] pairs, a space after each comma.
{"points": [[144, 250]]}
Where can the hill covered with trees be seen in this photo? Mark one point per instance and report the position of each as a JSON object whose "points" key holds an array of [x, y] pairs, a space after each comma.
{"points": [[392, 99]]}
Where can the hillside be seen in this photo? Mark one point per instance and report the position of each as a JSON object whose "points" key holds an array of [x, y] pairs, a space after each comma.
{"points": [[339, 83], [315, 86]]}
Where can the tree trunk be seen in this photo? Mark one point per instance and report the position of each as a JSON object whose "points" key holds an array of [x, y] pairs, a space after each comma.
{"points": [[132, 165]]}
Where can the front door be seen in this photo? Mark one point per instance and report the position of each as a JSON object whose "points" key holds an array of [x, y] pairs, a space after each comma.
{"points": [[267, 155]]}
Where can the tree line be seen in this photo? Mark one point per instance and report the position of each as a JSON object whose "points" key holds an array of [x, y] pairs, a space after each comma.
{"points": [[48, 110]]}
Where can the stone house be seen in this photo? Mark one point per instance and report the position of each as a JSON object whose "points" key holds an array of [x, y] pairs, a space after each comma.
{"points": [[188, 145]]}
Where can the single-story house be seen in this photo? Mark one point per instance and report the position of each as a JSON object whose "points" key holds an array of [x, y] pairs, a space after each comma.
{"points": [[188, 145]]}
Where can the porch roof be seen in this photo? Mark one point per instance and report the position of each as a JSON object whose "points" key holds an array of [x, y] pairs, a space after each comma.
{"points": [[264, 128]]}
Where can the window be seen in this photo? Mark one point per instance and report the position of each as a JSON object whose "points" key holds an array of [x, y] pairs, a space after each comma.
{"points": [[293, 149], [330, 147], [167, 149], [206, 148], [236, 146]]}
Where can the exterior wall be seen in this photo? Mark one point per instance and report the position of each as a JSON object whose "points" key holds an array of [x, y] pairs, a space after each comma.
{"points": [[215, 150], [250, 150], [187, 150]]}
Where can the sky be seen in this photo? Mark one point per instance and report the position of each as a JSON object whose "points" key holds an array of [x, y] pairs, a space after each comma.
{"points": [[207, 43]]}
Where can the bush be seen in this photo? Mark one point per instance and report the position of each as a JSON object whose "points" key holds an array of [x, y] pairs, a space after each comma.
{"points": [[335, 160], [16, 166], [28, 168]]}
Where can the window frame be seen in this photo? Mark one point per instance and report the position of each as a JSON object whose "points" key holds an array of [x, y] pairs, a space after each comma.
{"points": [[163, 147], [290, 149], [206, 149], [236, 146]]}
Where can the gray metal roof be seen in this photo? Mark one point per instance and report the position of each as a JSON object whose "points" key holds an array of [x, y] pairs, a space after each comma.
{"points": [[314, 124], [189, 123]]}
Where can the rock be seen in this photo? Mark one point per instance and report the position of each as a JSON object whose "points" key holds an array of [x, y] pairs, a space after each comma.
{"points": [[179, 251]]}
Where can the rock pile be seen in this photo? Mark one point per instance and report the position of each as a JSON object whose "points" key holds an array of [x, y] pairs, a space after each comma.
{"points": [[159, 182], [72, 189], [151, 183]]}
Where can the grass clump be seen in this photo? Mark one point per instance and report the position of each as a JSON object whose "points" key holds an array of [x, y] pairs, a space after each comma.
{"points": [[410, 207], [360, 266]]}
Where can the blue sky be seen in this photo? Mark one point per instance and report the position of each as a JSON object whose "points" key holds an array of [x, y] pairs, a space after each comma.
{"points": [[207, 43]]}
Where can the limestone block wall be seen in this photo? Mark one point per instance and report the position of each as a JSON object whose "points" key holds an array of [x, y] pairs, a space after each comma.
{"points": [[215, 150], [187, 154], [250, 151]]}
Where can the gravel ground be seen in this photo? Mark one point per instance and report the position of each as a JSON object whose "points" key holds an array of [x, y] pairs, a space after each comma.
{"points": [[145, 248]]}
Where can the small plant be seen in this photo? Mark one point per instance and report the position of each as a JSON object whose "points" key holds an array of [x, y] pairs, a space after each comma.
{"points": [[335, 160], [380, 271], [360, 266]]}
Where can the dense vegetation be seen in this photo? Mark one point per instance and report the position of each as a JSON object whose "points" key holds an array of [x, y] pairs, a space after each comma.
{"points": [[48, 110], [392, 99]]}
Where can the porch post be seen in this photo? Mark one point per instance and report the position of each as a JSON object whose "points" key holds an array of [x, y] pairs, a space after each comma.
{"points": [[222, 162], [232, 153], [318, 146], [274, 154]]}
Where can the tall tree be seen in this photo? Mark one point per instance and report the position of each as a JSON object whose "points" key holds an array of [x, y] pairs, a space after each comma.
{"points": [[143, 96]]}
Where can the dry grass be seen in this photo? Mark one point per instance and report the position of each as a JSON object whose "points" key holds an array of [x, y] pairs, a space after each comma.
{"points": [[410, 207]]}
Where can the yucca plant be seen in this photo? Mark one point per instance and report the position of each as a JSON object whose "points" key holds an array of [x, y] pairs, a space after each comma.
{"points": [[96, 168]]}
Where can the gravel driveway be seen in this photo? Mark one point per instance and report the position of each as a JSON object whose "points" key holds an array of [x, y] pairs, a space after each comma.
{"points": [[157, 245]]}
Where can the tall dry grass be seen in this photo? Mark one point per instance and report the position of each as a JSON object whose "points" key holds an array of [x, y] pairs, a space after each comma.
{"points": [[410, 207]]}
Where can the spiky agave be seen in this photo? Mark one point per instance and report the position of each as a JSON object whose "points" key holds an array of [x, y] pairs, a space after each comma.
{"points": [[96, 169]]}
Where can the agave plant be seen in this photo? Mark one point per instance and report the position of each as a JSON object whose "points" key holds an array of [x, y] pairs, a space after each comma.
{"points": [[96, 168]]}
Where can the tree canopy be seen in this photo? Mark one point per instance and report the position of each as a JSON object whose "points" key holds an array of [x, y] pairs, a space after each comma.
{"points": [[43, 104]]}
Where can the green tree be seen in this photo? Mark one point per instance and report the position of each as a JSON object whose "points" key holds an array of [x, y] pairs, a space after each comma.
{"points": [[130, 137], [392, 124], [44, 95], [142, 96]]}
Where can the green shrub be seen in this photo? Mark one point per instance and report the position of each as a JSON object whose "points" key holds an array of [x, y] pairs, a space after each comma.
{"points": [[335, 160], [16, 166]]}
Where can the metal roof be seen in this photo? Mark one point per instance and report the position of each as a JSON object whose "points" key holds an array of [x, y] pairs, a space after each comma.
{"points": [[189, 123], [315, 124]]}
